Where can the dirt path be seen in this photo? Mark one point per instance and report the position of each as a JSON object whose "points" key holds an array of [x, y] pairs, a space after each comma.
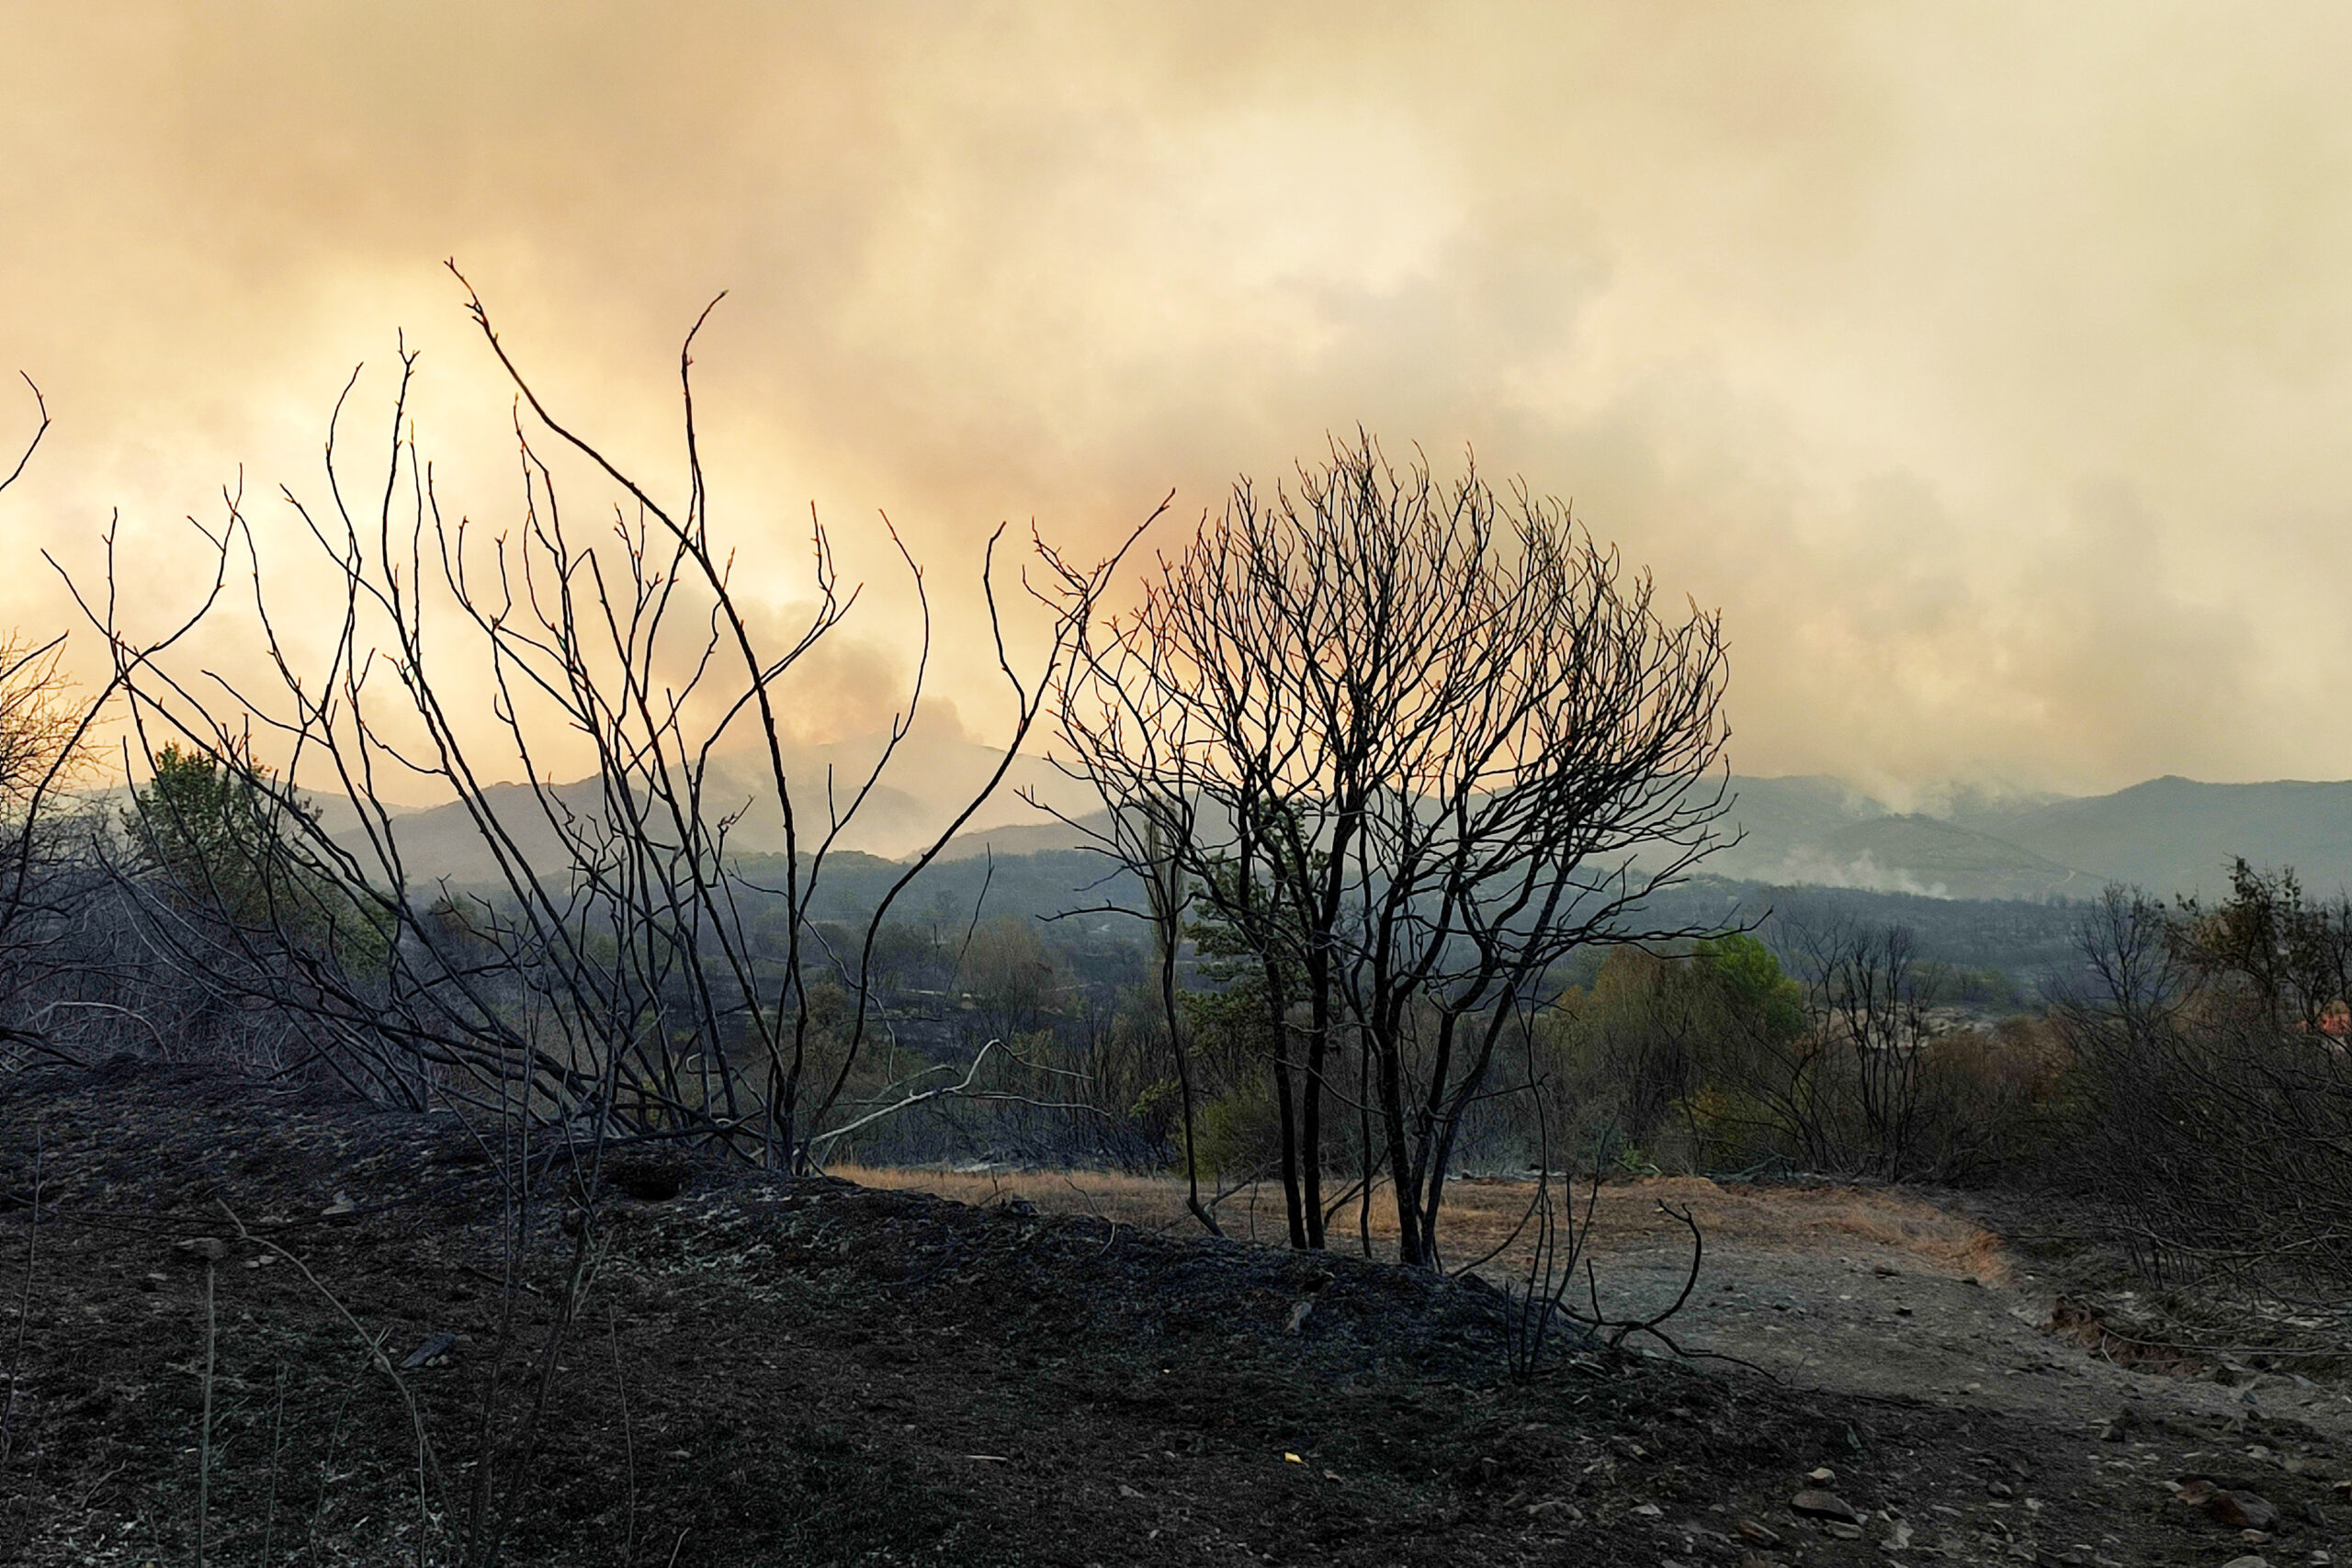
{"points": [[1887, 1319], [1852, 1290]]}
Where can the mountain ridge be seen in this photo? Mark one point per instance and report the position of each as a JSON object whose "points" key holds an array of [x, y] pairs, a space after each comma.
{"points": [[2170, 835]]}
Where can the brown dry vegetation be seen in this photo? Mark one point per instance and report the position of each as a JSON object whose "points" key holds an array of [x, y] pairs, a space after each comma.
{"points": [[1482, 1214]]}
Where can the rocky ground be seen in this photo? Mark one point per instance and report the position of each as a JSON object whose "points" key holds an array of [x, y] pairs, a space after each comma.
{"points": [[201, 1273]]}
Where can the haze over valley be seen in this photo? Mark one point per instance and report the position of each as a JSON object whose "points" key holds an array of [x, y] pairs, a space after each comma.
{"points": [[1071, 781]]}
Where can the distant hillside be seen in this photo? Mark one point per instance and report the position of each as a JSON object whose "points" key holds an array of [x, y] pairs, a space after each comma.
{"points": [[2168, 835], [2175, 835], [1779, 812], [1945, 860], [1020, 838], [1817, 831]]}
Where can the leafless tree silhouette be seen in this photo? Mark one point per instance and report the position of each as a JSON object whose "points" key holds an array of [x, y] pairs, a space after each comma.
{"points": [[48, 980], [1413, 743], [609, 976]]}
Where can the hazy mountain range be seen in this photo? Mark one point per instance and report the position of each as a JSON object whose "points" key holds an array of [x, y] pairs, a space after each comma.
{"points": [[2168, 835]]}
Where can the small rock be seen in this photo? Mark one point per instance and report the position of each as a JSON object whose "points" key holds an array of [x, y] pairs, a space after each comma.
{"points": [[1841, 1530], [1757, 1534], [2241, 1511], [1823, 1476], [1298, 1315], [1648, 1511], [152, 1282], [342, 1207], [1815, 1504], [1999, 1489], [1884, 1271], [1127, 1491], [202, 1248], [2248, 1561]]}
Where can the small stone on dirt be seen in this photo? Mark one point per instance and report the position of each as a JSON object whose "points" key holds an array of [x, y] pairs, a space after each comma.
{"points": [[1815, 1504], [1648, 1511], [2241, 1511], [202, 1248], [1757, 1533], [1822, 1477], [1999, 1489], [1841, 1530]]}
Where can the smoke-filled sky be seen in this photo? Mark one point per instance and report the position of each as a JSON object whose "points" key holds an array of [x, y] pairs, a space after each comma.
{"points": [[1990, 367]]}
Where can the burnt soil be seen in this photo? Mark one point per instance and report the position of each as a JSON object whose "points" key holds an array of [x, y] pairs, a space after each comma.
{"points": [[803, 1372]]}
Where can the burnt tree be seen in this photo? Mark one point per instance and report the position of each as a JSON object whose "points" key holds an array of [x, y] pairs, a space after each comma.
{"points": [[1428, 739]]}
